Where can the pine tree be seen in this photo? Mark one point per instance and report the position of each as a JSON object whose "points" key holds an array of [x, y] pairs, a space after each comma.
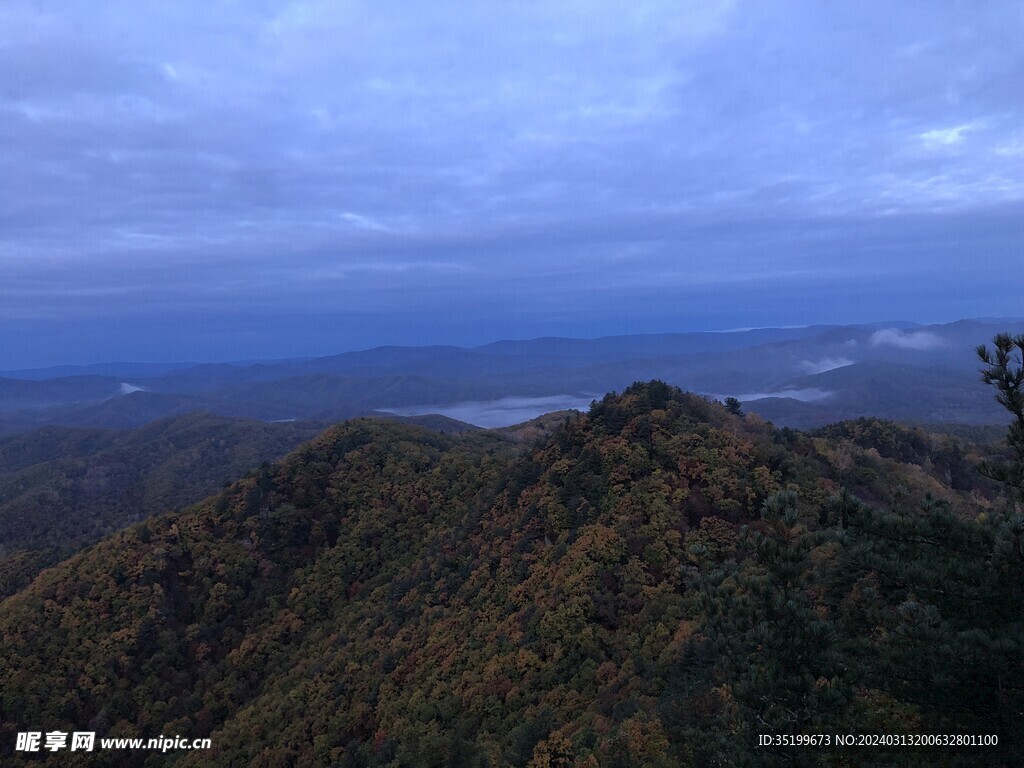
{"points": [[1005, 372], [773, 659]]}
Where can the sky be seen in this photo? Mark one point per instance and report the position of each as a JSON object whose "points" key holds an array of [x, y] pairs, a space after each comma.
{"points": [[225, 180]]}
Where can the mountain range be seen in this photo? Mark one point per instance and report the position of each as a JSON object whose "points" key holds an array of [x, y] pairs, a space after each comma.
{"points": [[801, 377]]}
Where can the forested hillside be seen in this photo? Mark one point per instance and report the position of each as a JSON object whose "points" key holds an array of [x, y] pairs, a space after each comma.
{"points": [[62, 488], [656, 584]]}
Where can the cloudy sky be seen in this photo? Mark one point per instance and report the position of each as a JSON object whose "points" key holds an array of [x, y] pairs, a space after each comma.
{"points": [[232, 180]]}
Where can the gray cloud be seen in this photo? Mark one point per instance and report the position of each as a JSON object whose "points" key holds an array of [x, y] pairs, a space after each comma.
{"points": [[280, 157]]}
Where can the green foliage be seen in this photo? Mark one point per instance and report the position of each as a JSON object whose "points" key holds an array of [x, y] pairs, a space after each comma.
{"points": [[733, 406], [1005, 371], [654, 584], [63, 488]]}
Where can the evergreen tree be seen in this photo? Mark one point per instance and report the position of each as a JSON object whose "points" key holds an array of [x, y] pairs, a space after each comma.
{"points": [[1005, 372], [771, 655]]}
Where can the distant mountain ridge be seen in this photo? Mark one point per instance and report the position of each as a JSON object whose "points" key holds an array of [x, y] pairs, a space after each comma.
{"points": [[795, 376]]}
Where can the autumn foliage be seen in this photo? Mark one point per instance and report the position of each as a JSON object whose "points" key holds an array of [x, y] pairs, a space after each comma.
{"points": [[654, 584]]}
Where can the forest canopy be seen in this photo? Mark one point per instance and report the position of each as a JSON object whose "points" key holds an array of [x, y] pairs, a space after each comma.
{"points": [[660, 582]]}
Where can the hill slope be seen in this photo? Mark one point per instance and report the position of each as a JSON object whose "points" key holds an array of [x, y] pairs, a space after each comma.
{"points": [[62, 488], [655, 584]]}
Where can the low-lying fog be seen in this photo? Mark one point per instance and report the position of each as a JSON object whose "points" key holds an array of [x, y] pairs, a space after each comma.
{"points": [[515, 410], [807, 395], [499, 413]]}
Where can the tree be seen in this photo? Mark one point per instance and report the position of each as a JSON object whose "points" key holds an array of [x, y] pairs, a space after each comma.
{"points": [[767, 658], [733, 406], [1005, 372]]}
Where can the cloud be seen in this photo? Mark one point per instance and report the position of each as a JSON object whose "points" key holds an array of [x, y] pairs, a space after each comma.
{"points": [[127, 389], [825, 364], [945, 137], [916, 340], [203, 154]]}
